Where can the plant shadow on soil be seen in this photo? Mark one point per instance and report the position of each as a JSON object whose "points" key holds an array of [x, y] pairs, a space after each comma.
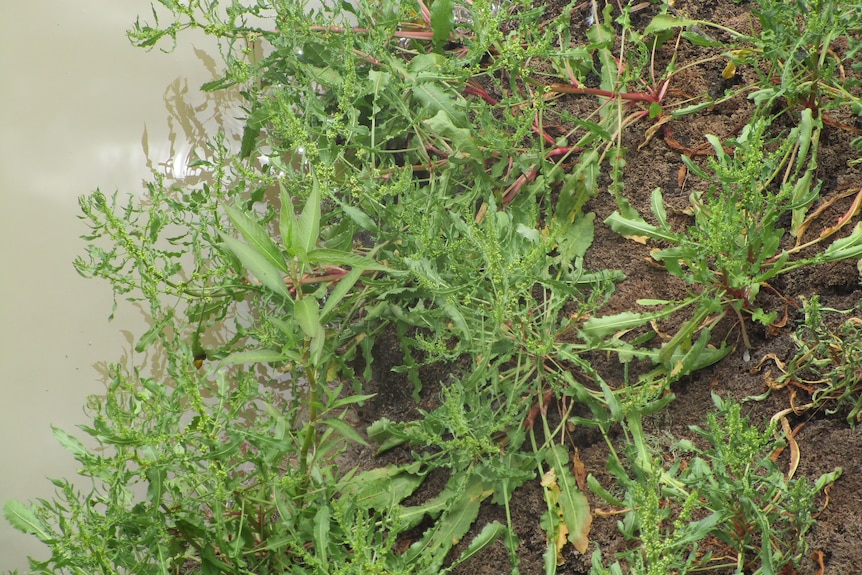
{"points": [[825, 439]]}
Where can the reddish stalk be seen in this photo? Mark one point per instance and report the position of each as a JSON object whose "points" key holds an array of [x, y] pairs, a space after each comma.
{"points": [[630, 96]]}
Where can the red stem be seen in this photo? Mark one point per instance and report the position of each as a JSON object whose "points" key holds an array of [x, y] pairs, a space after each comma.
{"points": [[631, 96]]}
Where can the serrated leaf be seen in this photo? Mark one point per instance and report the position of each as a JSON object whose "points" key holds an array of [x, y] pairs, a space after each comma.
{"points": [[577, 237], [384, 487], [531, 234], [257, 237], [490, 533], [259, 266], [633, 228], [442, 22], [434, 99], [156, 488], [149, 337], [601, 35], [22, 518], [71, 444], [455, 522], [441, 123]]}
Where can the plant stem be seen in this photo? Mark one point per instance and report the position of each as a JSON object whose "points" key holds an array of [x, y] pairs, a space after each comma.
{"points": [[308, 441]]}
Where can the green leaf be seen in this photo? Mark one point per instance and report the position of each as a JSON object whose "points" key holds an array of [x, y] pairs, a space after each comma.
{"points": [[600, 491], [350, 400], [599, 327], [577, 237], [149, 337], [461, 138], [455, 522], [434, 99], [321, 534], [22, 518], [307, 313], [261, 356], [257, 237], [657, 206], [308, 224], [287, 222], [156, 488], [338, 293], [359, 217], [442, 22], [342, 258], [490, 533], [259, 266], [631, 227], [601, 35], [845, 248], [345, 430], [71, 444], [383, 488], [664, 22]]}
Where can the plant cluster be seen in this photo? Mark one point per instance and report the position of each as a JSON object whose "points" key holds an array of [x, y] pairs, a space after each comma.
{"points": [[408, 168], [725, 505], [826, 366]]}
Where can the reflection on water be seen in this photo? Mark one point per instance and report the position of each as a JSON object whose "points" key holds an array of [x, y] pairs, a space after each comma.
{"points": [[80, 109]]}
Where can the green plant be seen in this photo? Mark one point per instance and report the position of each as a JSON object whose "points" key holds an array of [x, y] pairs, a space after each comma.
{"points": [[826, 365], [402, 166], [730, 492], [734, 247], [802, 53]]}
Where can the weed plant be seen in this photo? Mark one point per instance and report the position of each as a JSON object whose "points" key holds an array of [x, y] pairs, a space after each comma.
{"points": [[735, 245], [826, 366], [727, 500], [402, 167]]}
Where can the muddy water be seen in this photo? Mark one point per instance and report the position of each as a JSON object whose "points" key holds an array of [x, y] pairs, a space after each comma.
{"points": [[78, 108]]}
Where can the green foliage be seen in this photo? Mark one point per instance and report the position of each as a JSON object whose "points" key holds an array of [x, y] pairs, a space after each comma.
{"points": [[735, 245], [828, 359], [799, 46], [731, 491], [396, 170]]}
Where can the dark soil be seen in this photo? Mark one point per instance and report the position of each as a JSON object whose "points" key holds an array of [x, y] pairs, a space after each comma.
{"points": [[826, 439]]}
